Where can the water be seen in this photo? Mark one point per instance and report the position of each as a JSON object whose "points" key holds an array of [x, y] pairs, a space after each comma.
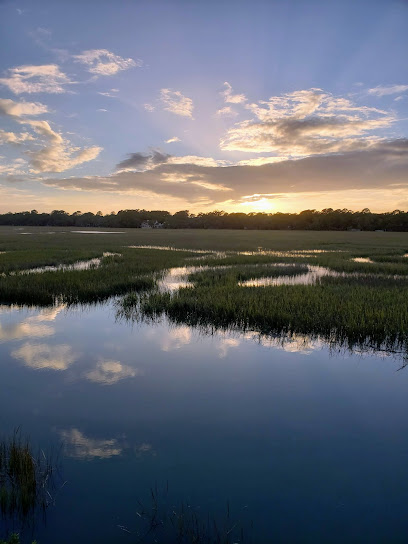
{"points": [[309, 443], [362, 260], [79, 265]]}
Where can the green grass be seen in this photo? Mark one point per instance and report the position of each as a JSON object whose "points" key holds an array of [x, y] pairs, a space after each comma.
{"points": [[370, 313], [230, 276], [133, 271]]}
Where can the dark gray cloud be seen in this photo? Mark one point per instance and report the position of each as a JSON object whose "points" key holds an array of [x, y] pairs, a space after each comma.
{"points": [[383, 166], [141, 161]]}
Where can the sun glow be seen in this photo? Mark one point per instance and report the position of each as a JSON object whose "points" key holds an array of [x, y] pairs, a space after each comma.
{"points": [[261, 205]]}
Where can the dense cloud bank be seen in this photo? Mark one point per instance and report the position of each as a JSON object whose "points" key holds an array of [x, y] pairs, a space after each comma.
{"points": [[327, 219]]}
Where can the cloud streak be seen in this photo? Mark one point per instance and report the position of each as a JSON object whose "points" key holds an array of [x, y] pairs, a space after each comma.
{"points": [[177, 103], [45, 78], [102, 62], [384, 90]]}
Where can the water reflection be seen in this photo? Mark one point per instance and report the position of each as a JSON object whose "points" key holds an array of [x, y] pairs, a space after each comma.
{"points": [[111, 372], [362, 260], [311, 277], [45, 356], [269, 421], [177, 278], [304, 253], [79, 265], [30, 327], [78, 445]]}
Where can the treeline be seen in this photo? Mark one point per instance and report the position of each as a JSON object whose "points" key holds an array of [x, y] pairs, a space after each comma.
{"points": [[327, 219]]}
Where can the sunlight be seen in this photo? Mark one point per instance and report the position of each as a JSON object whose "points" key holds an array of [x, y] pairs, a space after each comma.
{"points": [[261, 205]]}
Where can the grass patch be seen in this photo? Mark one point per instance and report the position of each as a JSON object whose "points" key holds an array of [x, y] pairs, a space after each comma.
{"points": [[25, 481], [235, 274], [352, 312], [133, 271]]}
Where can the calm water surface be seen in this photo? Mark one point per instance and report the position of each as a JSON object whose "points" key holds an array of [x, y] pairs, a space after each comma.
{"points": [[309, 444]]}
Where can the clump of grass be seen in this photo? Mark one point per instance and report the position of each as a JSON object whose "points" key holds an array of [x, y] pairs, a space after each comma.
{"points": [[25, 479]]}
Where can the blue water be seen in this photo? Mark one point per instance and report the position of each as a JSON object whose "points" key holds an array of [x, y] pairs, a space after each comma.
{"points": [[309, 444]]}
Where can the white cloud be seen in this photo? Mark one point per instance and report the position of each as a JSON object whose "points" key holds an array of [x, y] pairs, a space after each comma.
{"points": [[110, 372], [20, 109], [305, 123], [227, 111], [40, 356], [259, 161], [57, 154], [173, 140], [230, 97], [14, 138], [194, 159], [102, 62], [177, 103], [82, 447], [149, 107], [46, 78], [384, 90]]}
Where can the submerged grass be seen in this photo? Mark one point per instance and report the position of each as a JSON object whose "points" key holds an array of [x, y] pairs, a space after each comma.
{"points": [[161, 522]]}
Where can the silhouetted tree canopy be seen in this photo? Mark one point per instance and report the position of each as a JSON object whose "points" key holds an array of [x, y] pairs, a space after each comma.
{"points": [[327, 219]]}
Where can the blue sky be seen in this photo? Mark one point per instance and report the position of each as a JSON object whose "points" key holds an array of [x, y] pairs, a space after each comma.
{"points": [[241, 106]]}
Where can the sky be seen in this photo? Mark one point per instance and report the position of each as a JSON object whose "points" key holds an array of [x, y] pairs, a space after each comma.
{"points": [[241, 106]]}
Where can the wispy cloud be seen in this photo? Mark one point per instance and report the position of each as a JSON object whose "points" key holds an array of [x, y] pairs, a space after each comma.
{"points": [[227, 111], [56, 153], [384, 90], [109, 94], [177, 103], [81, 446], [173, 140], [45, 78], [102, 62], [230, 97]]}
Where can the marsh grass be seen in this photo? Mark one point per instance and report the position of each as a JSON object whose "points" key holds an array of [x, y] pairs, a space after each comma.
{"points": [[370, 308], [164, 522], [351, 312], [132, 271], [235, 274], [26, 480]]}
